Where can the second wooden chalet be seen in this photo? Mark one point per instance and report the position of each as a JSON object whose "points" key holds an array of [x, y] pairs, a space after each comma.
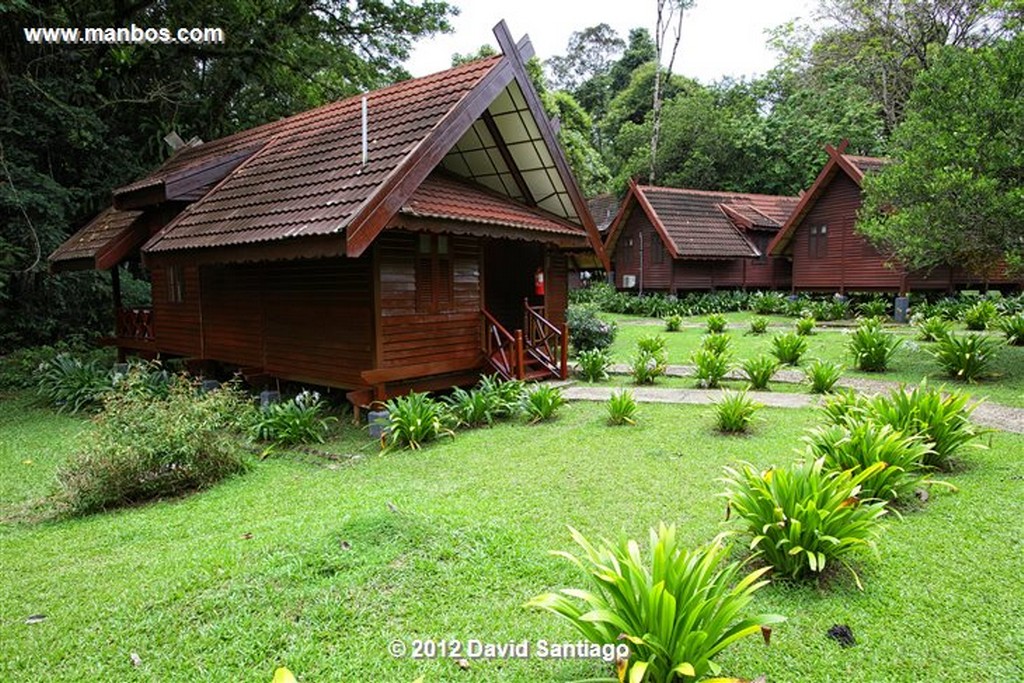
{"points": [[410, 238], [675, 240]]}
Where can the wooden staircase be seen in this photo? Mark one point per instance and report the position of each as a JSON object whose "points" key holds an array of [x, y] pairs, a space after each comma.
{"points": [[537, 351]]}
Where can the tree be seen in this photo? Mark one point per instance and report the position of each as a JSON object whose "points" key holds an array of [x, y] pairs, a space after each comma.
{"points": [[955, 193], [590, 53], [485, 50], [667, 12]]}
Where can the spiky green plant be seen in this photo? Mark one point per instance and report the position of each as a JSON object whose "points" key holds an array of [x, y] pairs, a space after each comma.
{"points": [[872, 347], [716, 323], [716, 343], [788, 347], [759, 371], [966, 357], [592, 365], [758, 325], [734, 412], [506, 394], [933, 329], [805, 326], [1013, 327], [822, 375], [622, 408], [980, 315], [415, 419], [804, 517], [473, 408], [72, 384], [710, 368], [842, 404], [543, 402], [676, 609], [673, 322]]}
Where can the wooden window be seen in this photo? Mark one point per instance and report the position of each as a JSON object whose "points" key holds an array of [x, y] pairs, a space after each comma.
{"points": [[434, 287], [657, 250], [817, 244], [175, 284]]}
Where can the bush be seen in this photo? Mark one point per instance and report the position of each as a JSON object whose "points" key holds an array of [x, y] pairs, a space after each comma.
{"points": [[933, 329], [822, 375], [941, 419], [758, 325], [874, 308], [759, 371], [300, 420], [768, 303], [20, 369], [415, 419], [715, 323], [804, 517], [592, 365], [72, 384], [978, 316], [710, 368], [966, 357], [805, 326], [507, 395], [145, 447], [788, 348], [673, 323], [843, 403], [543, 402], [650, 360], [1013, 327], [858, 445], [734, 412], [587, 330], [676, 610], [622, 408], [653, 344], [872, 347], [834, 308], [474, 408], [716, 343]]}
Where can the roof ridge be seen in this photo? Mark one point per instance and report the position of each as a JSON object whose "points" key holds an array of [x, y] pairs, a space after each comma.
{"points": [[717, 193]]}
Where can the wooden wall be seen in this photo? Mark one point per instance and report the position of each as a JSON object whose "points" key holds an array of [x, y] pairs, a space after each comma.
{"points": [[556, 286], [176, 325], [657, 262]]}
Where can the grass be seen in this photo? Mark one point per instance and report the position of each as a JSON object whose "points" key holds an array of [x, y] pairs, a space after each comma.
{"points": [[829, 343], [303, 563]]}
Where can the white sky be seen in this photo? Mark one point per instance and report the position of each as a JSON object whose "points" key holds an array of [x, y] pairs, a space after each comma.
{"points": [[720, 37]]}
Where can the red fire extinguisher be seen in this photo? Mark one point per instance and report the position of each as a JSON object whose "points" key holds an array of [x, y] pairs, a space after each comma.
{"points": [[538, 282]]}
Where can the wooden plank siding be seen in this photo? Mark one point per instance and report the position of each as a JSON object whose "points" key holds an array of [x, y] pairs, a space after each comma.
{"points": [[556, 286], [176, 325], [657, 262]]}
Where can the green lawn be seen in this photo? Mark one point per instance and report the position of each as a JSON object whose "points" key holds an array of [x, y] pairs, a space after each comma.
{"points": [[331, 574], [911, 362]]}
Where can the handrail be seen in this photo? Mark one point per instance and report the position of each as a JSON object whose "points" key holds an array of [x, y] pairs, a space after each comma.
{"points": [[503, 350], [545, 342], [135, 323]]}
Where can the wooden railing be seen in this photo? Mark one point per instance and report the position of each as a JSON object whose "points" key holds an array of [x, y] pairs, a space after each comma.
{"points": [[504, 351], [546, 342], [135, 323]]}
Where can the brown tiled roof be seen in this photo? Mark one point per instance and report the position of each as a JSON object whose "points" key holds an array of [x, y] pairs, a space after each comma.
{"points": [[441, 196], [95, 235], [698, 227], [603, 208], [307, 178]]}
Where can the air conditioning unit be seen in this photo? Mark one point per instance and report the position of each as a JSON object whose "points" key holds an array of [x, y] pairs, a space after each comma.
{"points": [[629, 281]]}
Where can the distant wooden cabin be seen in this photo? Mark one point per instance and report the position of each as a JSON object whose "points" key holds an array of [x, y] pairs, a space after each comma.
{"points": [[285, 252], [829, 255], [673, 240], [585, 267]]}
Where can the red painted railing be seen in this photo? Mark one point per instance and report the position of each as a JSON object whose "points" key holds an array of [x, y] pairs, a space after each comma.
{"points": [[503, 350], [135, 323], [546, 342]]}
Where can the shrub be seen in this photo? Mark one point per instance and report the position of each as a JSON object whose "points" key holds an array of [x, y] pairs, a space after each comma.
{"points": [[788, 348], [507, 395], [716, 343], [710, 368], [941, 419], [592, 365], [805, 326], [652, 343], [543, 402], [758, 325], [650, 360], [835, 308], [474, 408], [676, 610], [966, 357], [673, 323], [822, 375], [759, 371], [715, 323], [734, 412], [415, 419], [858, 445], [874, 308], [145, 447], [768, 303], [299, 420], [933, 329], [622, 408], [872, 347], [20, 369], [843, 403], [804, 517], [72, 384], [978, 316], [1013, 327], [587, 330]]}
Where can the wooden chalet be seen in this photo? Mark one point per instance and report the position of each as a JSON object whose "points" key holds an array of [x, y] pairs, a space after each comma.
{"points": [[409, 238], [671, 240], [829, 255]]}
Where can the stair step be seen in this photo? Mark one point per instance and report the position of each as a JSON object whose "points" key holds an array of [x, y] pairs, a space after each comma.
{"points": [[532, 375]]}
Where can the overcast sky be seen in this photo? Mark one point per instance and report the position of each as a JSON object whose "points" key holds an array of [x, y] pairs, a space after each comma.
{"points": [[720, 37]]}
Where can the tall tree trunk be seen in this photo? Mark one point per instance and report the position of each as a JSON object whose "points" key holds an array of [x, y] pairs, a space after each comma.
{"points": [[667, 10]]}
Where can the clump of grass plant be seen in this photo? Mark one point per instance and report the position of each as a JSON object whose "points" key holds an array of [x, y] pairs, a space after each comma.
{"points": [[734, 412], [507, 395], [72, 384], [759, 371], [542, 403], [415, 419], [805, 517], [715, 323], [472, 408], [1013, 328], [622, 408], [788, 347], [758, 325], [872, 347], [933, 329], [675, 609], [716, 343], [822, 375], [592, 365], [673, 322], [296, 421], [966, 357], [710, 368], [979, 316], [805, 326], [650, 360]]}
